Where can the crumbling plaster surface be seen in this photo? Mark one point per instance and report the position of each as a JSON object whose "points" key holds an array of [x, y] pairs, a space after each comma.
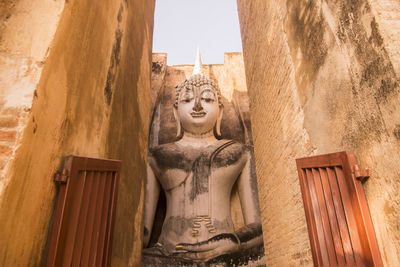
{"points": [[387, 16], [87, 67], [26, 30], [322, 78]]}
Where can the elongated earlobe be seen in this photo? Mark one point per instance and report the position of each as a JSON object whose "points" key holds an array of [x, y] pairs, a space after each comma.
{"points": [[178, 123], [218, 124]]}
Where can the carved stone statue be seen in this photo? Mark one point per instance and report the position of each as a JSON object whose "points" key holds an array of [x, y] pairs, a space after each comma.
{"points": [[197, 174]]}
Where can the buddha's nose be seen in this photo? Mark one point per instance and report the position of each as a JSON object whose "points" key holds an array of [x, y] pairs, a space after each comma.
{"points": [[197, 105]]}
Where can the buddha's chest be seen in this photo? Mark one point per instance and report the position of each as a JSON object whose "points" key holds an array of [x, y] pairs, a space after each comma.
{"points": [[197, 171], [199, 180]]}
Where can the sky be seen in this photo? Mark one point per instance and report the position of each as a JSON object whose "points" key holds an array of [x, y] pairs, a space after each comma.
{"points": [[182, 25]]}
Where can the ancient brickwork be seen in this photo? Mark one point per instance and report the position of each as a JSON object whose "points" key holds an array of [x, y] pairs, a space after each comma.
{"points": [[11, 122], [74, 79], [278, 133], [322, 78], [24, 44]]}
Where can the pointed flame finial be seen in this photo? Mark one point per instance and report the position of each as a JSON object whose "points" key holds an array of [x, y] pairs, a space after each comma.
{"points": [[198, 66]]}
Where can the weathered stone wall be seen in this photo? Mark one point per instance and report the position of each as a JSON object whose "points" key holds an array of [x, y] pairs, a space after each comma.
{"points": [[26, 30], [322, 77], [387, 16], [86, 66]]}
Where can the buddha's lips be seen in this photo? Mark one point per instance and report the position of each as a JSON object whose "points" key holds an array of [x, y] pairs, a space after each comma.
{"points": [[198, 114]]}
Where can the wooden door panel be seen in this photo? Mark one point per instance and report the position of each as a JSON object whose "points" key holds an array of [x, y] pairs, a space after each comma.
{"points": [[338, 219], [84, 217]]}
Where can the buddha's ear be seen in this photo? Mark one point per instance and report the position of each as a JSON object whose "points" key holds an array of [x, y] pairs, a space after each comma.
{"points": [[218, 124], [178, 122]]}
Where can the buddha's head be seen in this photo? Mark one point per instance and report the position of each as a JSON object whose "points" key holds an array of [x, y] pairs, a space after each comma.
{"points": [[198, 107]]}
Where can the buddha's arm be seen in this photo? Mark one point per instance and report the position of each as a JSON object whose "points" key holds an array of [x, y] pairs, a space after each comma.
{"points": [[251, 234], [150, 205]]}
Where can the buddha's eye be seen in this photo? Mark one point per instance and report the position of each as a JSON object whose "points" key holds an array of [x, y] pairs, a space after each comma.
{"points": [[208, 100], [187, 97], [208, 96]]}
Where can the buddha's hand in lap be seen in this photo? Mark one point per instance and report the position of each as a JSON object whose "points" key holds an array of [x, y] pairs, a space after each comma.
{"points": [[218, 245]]}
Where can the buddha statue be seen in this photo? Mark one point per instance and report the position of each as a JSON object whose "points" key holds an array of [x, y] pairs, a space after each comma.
{"points": [[197, 174]]}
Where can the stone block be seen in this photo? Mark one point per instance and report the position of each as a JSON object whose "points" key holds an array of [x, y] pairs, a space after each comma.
{"points": [[8, 122], [7, 135]]}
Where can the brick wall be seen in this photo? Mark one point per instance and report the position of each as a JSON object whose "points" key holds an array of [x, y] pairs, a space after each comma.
{"points": [[11, 120], [24, 45], [74, 79], [322, 78]]}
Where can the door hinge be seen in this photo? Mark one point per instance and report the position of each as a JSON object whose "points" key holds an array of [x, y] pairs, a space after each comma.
{"points": [[361, 175], [61, 176]]}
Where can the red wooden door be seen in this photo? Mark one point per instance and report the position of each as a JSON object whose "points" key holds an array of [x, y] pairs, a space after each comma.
{"points": [[84, 217], [339, 224]]}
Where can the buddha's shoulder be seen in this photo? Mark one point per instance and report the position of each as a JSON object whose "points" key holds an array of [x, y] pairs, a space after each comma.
{"points": [[221, 145], [167, 149], [169, 155], [232, 145], [231, 152]]}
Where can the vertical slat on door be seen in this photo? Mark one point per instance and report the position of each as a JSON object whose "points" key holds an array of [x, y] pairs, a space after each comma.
{"points": [[332, 217], [56, 229], [84, 217], [339, 224], [351, 222], [341, 218], [97, 221], [317, 257], [82, 220], [110, 224], [325, 219], [318, 217], [90, 221], [104, 218], [72, 219]]}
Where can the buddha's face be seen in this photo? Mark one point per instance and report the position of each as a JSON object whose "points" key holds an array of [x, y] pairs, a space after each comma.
{"points": [[198, 109]]}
